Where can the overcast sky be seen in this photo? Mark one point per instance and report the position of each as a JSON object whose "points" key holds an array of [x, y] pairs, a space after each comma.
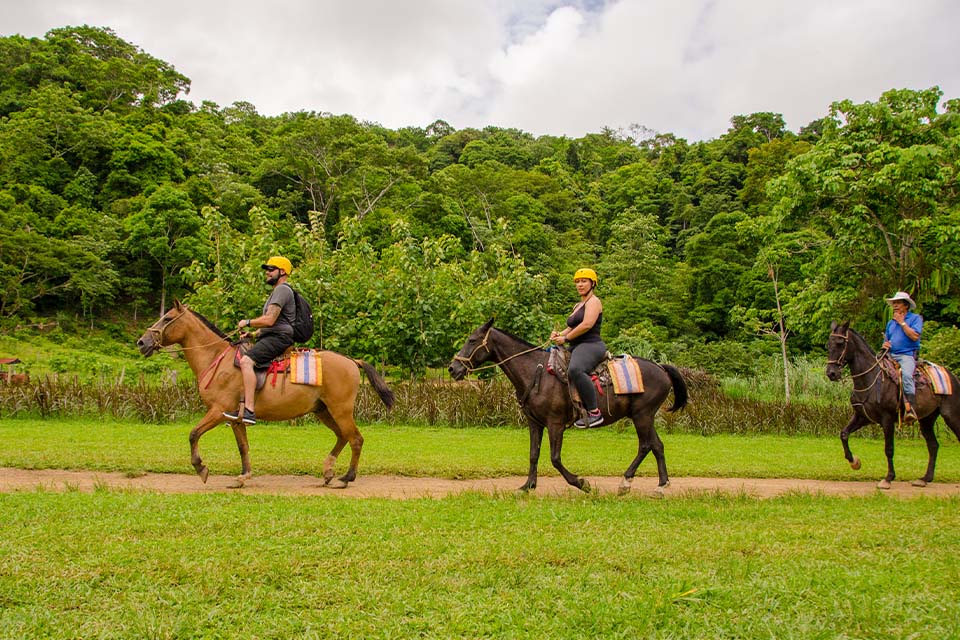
{"points": [[543, 66]]}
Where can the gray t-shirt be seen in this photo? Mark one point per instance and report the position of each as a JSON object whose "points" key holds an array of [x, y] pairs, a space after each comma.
{"points": [[282, 296]]}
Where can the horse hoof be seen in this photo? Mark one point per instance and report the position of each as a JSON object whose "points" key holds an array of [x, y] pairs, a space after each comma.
{"points": [[884, 484], [240, 481], [919, 482], [336, 484], [203, 472], [585, 485], [624, 487], [855, 463]]}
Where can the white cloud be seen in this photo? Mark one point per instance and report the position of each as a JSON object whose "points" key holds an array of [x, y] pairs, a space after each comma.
{"points": [[545, 66]]}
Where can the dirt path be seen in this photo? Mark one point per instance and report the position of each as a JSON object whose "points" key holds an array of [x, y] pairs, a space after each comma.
{"points": [[400, 487]]}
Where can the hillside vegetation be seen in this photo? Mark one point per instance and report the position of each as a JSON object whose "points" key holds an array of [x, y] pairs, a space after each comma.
{"points": [[118, 195]]}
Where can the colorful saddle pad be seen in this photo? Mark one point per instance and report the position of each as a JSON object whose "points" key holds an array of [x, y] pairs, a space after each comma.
{"points": [[306, 367], [625, 374], [939, 379]]}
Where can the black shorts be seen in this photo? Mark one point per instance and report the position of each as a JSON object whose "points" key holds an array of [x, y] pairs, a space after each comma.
{"points": [[269, 347]]}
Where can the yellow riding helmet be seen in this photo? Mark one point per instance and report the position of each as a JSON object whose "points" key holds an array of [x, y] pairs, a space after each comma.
{"points": [[280, 263], [589, 274]]}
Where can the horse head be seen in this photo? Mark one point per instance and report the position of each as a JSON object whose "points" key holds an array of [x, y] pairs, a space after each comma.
{"points": [[158, 335], [838, 346], [475, 352]]}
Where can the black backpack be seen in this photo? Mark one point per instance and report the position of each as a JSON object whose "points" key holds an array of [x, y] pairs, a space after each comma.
{"points": [[303, 322]]}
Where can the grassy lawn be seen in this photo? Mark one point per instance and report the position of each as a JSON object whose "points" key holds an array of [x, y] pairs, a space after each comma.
{"points": [[129, 446], [117, 564], [139, 565]]}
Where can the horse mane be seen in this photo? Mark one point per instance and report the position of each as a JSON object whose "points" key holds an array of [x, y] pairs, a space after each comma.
{"points": [[209, 324], [864, 340], [513, 337]]}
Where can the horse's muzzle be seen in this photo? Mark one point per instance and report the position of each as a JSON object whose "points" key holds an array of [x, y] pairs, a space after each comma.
{"points": [[457, 370], [147, 346], [833, 372]]}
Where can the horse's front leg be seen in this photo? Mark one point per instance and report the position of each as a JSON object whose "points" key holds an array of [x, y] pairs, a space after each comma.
{"points": [[555, 433], [246, 472], [933, 446], [855, 423], [536, 440], [212, 418], [888, 434]]}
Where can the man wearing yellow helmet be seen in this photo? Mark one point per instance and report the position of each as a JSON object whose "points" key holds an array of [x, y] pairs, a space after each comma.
{"points": [[587, 348], [274, 333]]}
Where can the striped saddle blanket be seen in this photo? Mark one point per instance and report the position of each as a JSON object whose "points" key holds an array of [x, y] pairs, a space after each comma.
{"points": [[306, 367], [625, 375], [937, 376]]}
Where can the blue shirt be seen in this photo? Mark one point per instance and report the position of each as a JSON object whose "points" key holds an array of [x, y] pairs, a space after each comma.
{"points": [[899, 342]]}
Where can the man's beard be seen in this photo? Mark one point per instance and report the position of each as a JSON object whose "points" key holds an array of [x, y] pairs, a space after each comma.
{"points": [[272, 280]]}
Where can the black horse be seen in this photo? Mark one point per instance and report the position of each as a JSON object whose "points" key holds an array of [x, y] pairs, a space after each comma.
{"points": [[545, 400], [876, 400]]}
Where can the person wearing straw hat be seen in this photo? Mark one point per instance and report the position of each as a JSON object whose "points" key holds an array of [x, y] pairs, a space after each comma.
{"points": [[902, 340]]}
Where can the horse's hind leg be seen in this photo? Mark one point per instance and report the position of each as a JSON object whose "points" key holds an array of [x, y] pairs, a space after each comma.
{"points": [[930, 436], [345, 428], [212, 418], [647, 441], [855, 423]]}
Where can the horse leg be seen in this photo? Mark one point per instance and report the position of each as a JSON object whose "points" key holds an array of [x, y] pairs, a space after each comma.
{"points": [[855, 424], [240, 434], [933, 446], [888, 424], [555, 433], [536, 440], [212, 418], [647, 441], [346, 431]]}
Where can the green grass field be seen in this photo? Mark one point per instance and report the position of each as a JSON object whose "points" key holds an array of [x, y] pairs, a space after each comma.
{"points": [[115, 564], [129, 446]]}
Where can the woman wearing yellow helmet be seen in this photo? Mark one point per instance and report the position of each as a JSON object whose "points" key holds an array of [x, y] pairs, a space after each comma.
{"points": [[587, 348]]}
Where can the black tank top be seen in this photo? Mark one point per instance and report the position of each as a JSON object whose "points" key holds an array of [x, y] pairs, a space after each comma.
{"points": [[593, 335]]}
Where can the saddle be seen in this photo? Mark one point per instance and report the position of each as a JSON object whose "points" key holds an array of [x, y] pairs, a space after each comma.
{"points": [[927, 374], [619, 374]]}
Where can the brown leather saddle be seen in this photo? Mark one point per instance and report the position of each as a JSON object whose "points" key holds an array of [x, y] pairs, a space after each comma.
{"points": [[558, 364]]}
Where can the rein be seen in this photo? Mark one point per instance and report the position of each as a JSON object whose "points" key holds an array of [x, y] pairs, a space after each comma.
{"points": [[158, 333], [467, 361], [841, 361]]}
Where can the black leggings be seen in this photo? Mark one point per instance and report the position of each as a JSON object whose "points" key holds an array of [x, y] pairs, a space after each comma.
{"points": [[584, 357]]}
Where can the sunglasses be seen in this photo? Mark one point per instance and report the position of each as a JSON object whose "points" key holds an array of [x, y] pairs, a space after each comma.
{"points": [[271, 269]]}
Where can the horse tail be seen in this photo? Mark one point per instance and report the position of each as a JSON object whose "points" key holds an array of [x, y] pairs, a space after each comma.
{"points": [[386, 395], [679, 387]]}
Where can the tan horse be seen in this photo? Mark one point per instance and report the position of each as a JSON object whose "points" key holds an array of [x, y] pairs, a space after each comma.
{"points": [[210, 355]]}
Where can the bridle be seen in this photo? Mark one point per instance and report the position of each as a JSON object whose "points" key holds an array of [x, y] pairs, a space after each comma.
{"points": [[841, 362], [467, 361], [158, 333]]}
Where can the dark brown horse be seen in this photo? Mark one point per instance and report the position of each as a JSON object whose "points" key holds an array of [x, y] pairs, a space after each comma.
{"points": [[210, 355], [876, 400], [546, 404]]}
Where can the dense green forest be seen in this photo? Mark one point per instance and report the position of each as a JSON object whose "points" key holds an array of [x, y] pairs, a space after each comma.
{"points": [[117, 195]]}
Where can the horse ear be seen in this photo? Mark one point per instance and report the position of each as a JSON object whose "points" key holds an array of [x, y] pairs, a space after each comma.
{"points": [[833, 326], [487, 325], [177, 305], [846, 325]]}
